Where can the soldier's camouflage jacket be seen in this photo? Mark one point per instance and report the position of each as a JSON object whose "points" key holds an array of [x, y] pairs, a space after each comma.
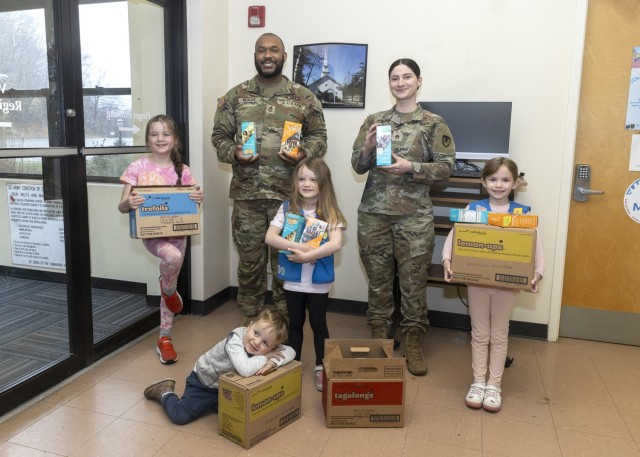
{"points": [[268, 177], [426, 141]]}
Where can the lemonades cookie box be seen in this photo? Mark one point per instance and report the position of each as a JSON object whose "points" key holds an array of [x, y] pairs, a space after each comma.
{"points": [[513, 220], [253, 408], [493, 256], [166, 211]]}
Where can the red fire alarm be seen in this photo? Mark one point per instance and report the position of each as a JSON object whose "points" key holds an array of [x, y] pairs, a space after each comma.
{"points": [[256, 16]]}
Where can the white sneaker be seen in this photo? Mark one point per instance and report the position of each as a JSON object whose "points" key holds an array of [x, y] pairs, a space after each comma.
{"points": [[319, 374], [492, 399], [475, 397]]}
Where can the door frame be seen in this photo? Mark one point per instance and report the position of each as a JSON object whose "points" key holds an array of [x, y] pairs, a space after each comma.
{"points": [[566, 163]]}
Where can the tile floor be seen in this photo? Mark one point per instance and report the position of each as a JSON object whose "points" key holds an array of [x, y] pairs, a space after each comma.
{"points": [[568, 398]]}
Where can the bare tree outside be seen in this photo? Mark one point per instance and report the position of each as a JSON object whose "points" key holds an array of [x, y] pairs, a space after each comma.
{"points": [[307, 64], [29, 72], [25, 92], [23, 70]]}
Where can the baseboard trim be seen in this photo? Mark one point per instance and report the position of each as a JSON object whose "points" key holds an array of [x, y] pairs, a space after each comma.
{"points": [[600, 325], [61, 278], [436, 318], [204, 307], [36, 275]]}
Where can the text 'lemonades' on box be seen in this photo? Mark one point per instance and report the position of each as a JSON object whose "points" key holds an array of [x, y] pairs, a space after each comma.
{"points": [[493, 256], [253, 408]]}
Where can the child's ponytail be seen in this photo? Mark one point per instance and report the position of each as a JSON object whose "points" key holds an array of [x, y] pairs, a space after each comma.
{"points": [[177, 165]]}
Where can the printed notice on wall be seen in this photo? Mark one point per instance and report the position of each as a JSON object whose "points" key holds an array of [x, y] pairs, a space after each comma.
{"points": [[634, 157], [37, 227], [633, 106]]}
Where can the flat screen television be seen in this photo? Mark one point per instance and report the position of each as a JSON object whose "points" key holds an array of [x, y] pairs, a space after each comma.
{"points": [[480, 130]]}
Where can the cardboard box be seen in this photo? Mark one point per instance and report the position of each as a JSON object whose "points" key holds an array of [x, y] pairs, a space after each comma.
{"points": [[166, 211], [364, 384], [493, 256], [254, 408]]}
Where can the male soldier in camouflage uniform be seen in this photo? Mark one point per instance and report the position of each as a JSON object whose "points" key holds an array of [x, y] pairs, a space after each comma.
{"points": [[260, 183], [395, 219]]}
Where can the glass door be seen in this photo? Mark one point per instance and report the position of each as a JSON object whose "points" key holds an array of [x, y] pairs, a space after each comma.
{"points": [[123, 86], [78, 81]]}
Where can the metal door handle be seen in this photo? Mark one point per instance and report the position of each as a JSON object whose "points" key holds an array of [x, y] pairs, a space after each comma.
{"points": [[583, 191]]}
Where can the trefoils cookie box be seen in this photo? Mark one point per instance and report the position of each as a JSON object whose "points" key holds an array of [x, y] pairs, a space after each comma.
{"points": [[364, 384], [253, 408], [166, 211], [493, 256]]}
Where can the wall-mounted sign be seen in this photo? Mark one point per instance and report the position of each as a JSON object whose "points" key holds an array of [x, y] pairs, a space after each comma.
{"points": [[632, 201], [37, 227], [634, 156], [633, 106]]}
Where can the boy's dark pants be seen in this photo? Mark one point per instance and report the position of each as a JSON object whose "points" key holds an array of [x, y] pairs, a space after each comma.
{"points": [[196, 401]]}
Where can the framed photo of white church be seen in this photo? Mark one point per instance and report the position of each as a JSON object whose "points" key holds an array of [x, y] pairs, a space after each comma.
{"points": [[335, 72]]}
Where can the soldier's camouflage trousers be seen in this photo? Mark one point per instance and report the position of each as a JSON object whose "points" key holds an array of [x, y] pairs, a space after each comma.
{"points": [[249, 223], [408, 239]]}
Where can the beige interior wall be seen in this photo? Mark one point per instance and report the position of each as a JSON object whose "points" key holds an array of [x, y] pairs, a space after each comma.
{"points": [[468, 50], [473, 50]]}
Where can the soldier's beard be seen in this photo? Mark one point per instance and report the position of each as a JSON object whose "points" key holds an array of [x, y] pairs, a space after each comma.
{"points": [[277, 71]]}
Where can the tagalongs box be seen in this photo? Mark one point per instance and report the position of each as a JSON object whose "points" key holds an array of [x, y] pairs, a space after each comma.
{"points": [[166, 211], [493, 256], [253, 408], [364, 384]]}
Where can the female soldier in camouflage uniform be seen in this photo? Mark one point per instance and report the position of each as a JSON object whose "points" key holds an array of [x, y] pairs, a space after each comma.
{"points": [[395, 216]]}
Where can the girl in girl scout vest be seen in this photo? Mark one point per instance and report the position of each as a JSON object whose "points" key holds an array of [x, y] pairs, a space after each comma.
{"points": [[308, 271]]}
